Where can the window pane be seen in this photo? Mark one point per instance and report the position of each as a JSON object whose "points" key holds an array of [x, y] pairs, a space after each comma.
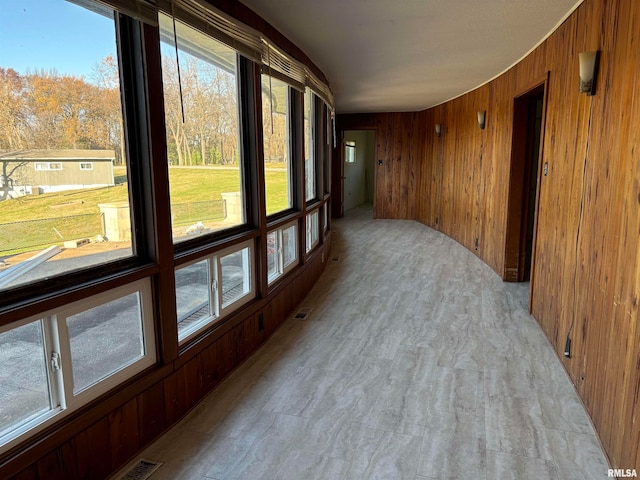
{"points": [[192, 297], [273, 256], [350, 152], [63, 109], [327, 151], [205, 175], [275, 128], [312, 230], [290, 245], [326, 216], [105, 339], [236, 276], [24, 390], [309, 163]]}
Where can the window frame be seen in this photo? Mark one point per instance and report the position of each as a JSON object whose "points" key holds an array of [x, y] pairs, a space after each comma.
{"points": [[90, 166], [56, 339], [327, 148], [310, 242], [283, 269], [218, 311], [290, 145], [212, 297], [132, 79], [246, 142], [310, 145], [326, 217], [155, 258], [350, 151]]}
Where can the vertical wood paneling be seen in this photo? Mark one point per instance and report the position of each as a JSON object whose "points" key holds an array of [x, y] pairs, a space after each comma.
{"points": [[151, 413], [30, 473], [94, 451], [587, 249], [69, 458], [193, 381], [51, 466], [400, 145], [175, 403], [209, 360], [587, 260], [124, 439], [496, 170]]}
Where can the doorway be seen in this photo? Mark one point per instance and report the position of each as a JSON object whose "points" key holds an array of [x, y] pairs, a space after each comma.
{"points": [[358, 154], [528, 127]]}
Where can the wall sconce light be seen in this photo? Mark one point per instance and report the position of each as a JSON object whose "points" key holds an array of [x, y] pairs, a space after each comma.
{"points": [[438, 130], [481, 119], [589, 63]]}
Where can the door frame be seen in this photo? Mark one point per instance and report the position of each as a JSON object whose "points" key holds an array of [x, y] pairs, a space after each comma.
{"points": [[513, 267], [344, 123]]}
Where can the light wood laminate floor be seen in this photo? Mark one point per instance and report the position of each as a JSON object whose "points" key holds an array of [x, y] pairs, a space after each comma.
{"points": [[416, 362]]}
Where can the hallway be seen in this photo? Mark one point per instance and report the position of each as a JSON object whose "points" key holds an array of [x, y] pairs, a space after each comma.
{"points": [[415, 362]]}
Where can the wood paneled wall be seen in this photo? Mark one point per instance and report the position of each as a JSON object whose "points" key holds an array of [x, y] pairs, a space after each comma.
{"points": [[587, 254], [94, 448], [399, 148]]}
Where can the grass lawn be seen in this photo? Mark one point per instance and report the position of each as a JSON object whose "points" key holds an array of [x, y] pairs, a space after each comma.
{"points": [[186, 185]]}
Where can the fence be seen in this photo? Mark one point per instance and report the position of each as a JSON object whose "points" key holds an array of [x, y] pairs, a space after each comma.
{"points": [[18, 237], [185, 214]]}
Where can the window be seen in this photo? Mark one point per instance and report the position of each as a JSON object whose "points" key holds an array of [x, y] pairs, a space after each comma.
{"points": [[274, 255], [312, 230], [289, 245], [60, 360], [59, 107], [23, 378], [326, 216], [350, 152], [203, 139], [309, 143], [105, 339], [236, 276], [327, 150], [209, 288], [282, 251], [48, 166], [275, 127], [196, 299], [86, 166]]}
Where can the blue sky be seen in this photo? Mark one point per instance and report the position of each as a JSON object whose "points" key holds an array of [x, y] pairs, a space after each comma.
{"points": [[53, 34]]}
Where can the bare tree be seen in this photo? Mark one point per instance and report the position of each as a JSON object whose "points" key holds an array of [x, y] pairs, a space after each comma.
{"points": [[13, 114], [208, 132], [9, 176]]}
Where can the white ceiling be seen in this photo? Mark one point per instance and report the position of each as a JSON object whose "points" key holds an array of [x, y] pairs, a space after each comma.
{"points": [[407, 55]]}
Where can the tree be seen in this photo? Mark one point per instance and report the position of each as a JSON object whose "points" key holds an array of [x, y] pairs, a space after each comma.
{"points": [[45, 110], [13, 114], [12, 126], [9, 176], [65, 110], [208, 131], [107, 77]]}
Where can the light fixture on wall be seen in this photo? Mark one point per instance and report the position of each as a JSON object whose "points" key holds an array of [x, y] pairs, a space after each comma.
{"points": [[438, 130], [589, 63], [481, 119]]}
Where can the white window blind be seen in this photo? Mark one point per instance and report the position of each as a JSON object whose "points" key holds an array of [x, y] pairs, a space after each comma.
{"points": [[199, 15], [242, 38], [143, 10], [245, 40]]}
